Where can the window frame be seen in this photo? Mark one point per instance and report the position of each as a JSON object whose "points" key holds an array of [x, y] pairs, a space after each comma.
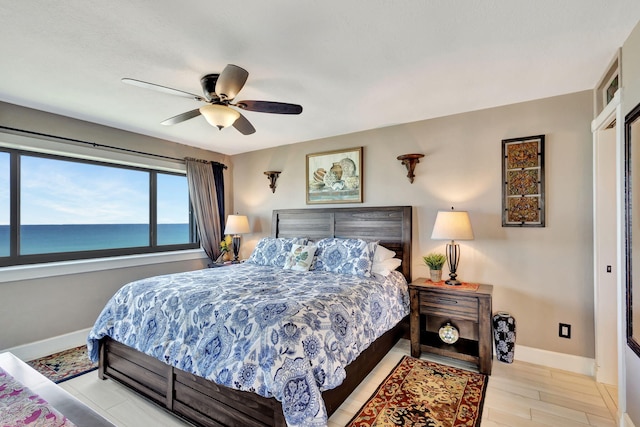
{"points": [[15, 259]]}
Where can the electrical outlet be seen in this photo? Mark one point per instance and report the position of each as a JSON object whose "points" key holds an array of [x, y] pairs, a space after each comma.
{"points": [[564, 330]]}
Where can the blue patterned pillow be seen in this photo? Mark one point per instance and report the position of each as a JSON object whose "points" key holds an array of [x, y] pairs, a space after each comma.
{"points": [[273, 251], [345, 256]]}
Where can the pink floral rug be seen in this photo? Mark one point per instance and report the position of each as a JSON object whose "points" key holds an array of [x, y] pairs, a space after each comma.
{"points": [[65, 365], [19, 406]]}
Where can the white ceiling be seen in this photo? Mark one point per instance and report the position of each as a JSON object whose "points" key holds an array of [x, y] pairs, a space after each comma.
{"points": [[352, 64]]}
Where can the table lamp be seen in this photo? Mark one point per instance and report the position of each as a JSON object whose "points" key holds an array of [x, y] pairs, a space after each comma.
{"points": [[452, 225], [236, 225]]}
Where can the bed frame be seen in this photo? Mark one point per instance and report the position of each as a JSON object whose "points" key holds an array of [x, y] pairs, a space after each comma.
{"points": [[204, 403]]}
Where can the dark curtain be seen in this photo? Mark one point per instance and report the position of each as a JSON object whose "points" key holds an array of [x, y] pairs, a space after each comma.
{"points": [[218, 177]]}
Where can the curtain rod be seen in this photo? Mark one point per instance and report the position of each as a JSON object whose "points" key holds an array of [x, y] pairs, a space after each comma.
{"points": [[97, 145]]}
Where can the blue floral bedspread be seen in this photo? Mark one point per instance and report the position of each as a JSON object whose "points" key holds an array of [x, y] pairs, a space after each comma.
{"points": [[278, 333]]}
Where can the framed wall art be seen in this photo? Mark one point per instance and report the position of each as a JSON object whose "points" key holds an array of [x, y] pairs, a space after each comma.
{"points": [[523, 182], [335, 176]]}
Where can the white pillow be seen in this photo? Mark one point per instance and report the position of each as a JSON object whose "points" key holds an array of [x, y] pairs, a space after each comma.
{"points": [[299, 258], [382, 254], [385, 267]]}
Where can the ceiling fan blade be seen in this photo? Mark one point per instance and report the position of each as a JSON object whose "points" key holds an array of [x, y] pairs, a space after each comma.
{"points": [[243, 126], [181, 117], [231, 80], [208, 84], [270, 107], [163, 89]]}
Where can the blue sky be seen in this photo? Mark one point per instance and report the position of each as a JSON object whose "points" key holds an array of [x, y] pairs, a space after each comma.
{"points": [[63, 192]]}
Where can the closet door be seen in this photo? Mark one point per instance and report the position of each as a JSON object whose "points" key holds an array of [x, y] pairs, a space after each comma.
{"points": [[605, 244]]}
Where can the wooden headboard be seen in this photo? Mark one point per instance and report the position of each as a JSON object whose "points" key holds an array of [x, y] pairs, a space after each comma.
{"points": [[389, 225]]}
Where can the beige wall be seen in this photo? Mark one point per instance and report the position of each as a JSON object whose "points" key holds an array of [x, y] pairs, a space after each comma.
{"points": [[542, 276], [38, 309], [630, 98]]}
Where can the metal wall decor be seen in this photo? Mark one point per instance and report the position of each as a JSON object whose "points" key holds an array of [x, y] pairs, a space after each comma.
{"points": [[272, 176], [410, 161], [523, 182]]}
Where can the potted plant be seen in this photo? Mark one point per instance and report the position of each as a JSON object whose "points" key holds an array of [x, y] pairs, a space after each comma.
{"points": [[435, 261], [225, 249]]}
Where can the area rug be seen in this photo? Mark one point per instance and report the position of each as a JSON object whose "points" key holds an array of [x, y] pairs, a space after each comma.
{"points": [[19, 406], [65, 365], [426, 394]]}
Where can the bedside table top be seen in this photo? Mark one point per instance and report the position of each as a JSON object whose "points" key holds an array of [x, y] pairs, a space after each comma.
{"points": [[223, 264], [422, 283]]}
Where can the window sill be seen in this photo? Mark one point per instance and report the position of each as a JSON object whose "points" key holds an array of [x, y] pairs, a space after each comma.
{"points": [[36, 271]]}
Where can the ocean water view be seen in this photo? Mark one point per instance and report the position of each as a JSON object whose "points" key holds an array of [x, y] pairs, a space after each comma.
{"points": [[38, 239]]}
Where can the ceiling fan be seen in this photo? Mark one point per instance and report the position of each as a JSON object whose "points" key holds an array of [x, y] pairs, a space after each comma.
{"points": [[219, 92]]}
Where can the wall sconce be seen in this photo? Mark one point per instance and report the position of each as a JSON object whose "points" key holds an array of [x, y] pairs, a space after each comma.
{"points": [[410, 161], [272, 176]]}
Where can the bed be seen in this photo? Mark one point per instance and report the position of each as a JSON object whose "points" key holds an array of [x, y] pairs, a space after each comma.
{"points": [[229, 401]]}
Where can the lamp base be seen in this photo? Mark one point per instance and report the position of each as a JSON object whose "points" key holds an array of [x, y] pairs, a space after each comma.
{"points": [[236, 248], [453, 257]]}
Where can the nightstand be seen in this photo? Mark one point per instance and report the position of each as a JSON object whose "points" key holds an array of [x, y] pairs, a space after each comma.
{"points": [[469, 311], [222, 264]]}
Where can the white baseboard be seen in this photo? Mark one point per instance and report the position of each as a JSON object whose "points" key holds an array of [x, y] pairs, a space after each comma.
{"points": [[551, 359], [566, 362], [626, 421], [49, 346]]}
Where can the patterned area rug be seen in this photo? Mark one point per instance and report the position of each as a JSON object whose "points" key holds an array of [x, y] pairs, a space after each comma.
{"points": [[19, 406], [426, 394], [65, 365]]}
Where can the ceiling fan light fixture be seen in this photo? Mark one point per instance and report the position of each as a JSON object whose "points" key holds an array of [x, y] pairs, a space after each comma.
{"points": [[219, 116]]}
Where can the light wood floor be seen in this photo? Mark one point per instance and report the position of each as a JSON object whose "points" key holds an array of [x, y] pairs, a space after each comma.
{"points": [[519, 394]]}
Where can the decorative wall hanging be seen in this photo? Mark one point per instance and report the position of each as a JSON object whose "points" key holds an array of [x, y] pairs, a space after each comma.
{"points": [[410, 161], [335, 176], [272, 176], [523, 182]]}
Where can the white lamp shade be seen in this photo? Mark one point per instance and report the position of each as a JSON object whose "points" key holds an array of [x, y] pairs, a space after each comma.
{"points": [[452, 225], [237, 224], [219, 115]]}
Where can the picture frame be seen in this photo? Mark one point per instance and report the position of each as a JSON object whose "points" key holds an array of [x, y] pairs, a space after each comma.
{"points": [[334, 176], [523, 184]]}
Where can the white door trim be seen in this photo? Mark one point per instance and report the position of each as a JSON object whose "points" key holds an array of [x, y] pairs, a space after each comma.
{"points": [[613, 111]]}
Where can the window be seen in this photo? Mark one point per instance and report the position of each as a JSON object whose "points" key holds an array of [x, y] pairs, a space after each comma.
{"points": [[4, 204], [74, 209], [173, 210]]}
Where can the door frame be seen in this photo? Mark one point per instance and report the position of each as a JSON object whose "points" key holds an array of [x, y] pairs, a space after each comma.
{"points": [[613, 111]]}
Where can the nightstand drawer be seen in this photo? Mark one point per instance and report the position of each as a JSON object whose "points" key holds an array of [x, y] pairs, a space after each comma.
{"points": [[455, 307]]}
